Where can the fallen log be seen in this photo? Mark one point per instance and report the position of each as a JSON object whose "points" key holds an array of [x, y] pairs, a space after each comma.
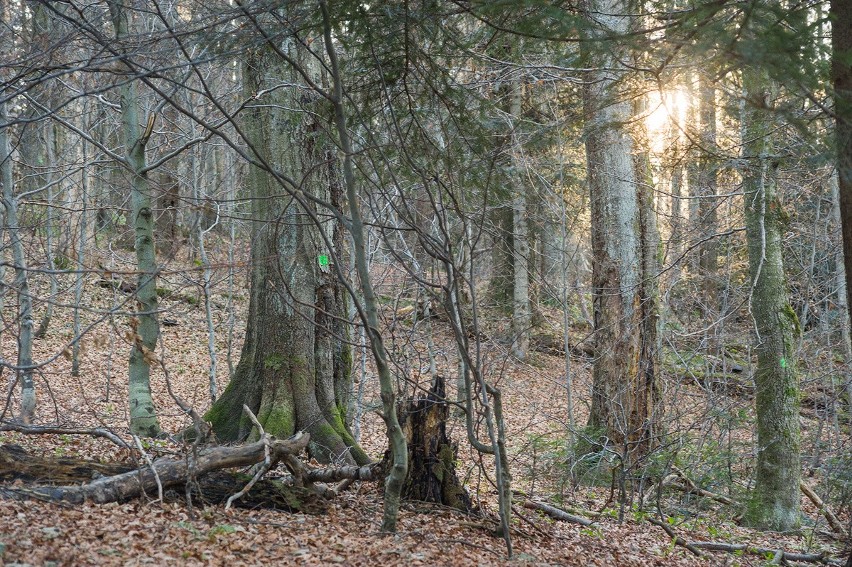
{"points": [[212, 488], [169, 472], [17, 464], [777, 555]]}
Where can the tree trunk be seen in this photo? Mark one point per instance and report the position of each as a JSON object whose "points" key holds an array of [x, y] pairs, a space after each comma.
{"points": [[146, 328], [840, 14], [774, 502], [295, 369], [707, 224], [621, 413], [25, 307], [521, 316]]}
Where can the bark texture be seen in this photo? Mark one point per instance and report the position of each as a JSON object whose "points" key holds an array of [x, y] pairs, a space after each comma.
{"points": [[295, 369], [774, 503], [841, 73], [622, 411], [145, 327], [431, 454]]}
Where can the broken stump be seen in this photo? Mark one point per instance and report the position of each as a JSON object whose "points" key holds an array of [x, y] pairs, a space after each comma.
{"points": [[431, 454]]}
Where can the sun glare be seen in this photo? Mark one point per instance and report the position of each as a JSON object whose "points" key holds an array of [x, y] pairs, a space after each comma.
{"points": [[667, 111]]}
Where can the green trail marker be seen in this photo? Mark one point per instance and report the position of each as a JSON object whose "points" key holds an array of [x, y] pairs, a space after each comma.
{"points": [[783, 362], [322, 259]]}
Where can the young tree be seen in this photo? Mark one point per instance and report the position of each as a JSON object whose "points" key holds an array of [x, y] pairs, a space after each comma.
{"points": [[25, 307], [146, 328]]}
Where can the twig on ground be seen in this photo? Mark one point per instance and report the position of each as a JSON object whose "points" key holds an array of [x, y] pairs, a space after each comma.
{"points": [[833, 521], [676, 538], [557, 514], [150, 463]]}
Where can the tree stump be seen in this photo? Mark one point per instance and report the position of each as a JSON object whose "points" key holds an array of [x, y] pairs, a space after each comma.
{"points": [[431, 454]]}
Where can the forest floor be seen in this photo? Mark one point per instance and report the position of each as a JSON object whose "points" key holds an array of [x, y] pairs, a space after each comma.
{"points": [[146, 531]]}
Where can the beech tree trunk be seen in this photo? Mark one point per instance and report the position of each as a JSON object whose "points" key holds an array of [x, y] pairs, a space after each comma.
{"points": [[774, 502], [145, 326], [295, 369], [21, 283]]}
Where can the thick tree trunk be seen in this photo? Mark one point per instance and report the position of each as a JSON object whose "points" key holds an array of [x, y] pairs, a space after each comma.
{"points": [[621, 411], [295, 368], [774, 503]]}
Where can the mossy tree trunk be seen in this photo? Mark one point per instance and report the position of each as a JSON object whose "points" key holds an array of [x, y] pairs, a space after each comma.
{"points": [[295, 368], [623, 408], [775, 500]]}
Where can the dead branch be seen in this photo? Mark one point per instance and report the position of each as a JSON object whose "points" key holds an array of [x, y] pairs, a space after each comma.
{"points": [[777, 554], [268, 463], [691, 487], [171, 472], [148, 460], [50, 430], [676, 538], [557, 514], [833, 521]]}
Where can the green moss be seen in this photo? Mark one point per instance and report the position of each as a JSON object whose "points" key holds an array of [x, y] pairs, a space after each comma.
{"points": [[792, 319], [226, 415], [279, 421]]}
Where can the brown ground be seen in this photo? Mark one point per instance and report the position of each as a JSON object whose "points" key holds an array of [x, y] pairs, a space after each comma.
{"points": [[149, 532]]}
